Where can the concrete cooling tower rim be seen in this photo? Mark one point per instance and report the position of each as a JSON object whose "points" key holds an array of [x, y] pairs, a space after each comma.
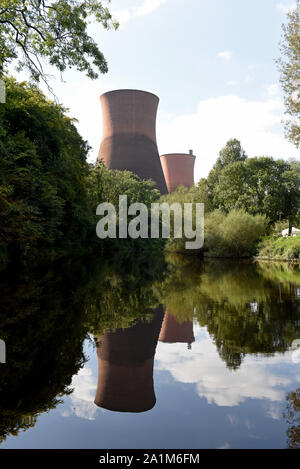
{"points": [[178, 154], [129, 90]]}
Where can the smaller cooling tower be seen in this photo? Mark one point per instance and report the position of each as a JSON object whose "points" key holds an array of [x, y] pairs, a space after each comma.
{"points": [[178, 169], [173, 332]]}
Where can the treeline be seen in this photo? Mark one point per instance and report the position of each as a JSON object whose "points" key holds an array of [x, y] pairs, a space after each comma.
{"points": [[244, 199], [48, 191]]}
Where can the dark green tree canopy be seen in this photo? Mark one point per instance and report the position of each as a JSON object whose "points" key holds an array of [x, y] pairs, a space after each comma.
{"points": [[43, 173], [231, 153], [53, 30], [260, 185]]}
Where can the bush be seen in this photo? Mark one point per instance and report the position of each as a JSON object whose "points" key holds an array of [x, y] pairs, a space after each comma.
{"points": [[233, 235], [279, 248]]}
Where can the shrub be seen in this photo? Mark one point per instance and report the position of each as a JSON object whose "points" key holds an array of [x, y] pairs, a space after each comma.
{"points": [[233, 235], [279, 248]]}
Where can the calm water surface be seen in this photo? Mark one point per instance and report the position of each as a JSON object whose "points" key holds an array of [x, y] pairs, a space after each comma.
{"points": [[189, 355]]}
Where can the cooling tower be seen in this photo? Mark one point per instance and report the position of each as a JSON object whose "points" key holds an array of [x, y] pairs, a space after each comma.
{"points": [[173, 332], [129, 134], [178, 169], [125, 367]]}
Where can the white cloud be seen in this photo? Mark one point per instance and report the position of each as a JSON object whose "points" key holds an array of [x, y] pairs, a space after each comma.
{"points": [[255, 379], [286, 7], [134, 8], [257, 124], [225, 55], [272, 90], [82, 398]]}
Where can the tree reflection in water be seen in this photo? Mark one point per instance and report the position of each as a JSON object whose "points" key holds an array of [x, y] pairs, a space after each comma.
{"points": [[292, 417], [47, 314], [239, 303]]}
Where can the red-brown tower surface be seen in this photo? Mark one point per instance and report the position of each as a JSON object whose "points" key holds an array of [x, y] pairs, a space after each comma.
{"points": [[173, 332], [178, 169], [129, 134], [125, 367]]}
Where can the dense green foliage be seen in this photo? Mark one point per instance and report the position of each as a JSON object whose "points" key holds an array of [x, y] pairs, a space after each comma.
{"points": [[280, 248], [55, 31], [231, 153], [106, 185], [259, 185], [233, 234], [44, 206], [243, 199], [289, 65]]}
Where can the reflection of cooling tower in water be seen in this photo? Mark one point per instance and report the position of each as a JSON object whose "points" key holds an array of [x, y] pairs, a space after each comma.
{"points": [[173, 332], [125, 367], [129, 134], [178, 169]]}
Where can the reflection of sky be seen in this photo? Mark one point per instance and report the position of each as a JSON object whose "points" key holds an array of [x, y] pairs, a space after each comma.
{"points": [[200, 404], [257, 378]]}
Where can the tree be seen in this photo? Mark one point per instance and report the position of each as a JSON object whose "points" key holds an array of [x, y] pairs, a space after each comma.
{"points": [[291, 185], [54, 30], [44, 203], [107, 185], [289, 66], [260, 186], [231, 153]]}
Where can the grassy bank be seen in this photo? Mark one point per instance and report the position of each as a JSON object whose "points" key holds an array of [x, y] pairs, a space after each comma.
{"points": [[283, 249]]}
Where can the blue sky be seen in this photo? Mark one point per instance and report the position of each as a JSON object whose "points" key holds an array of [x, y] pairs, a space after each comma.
{"points": [[212, 64]]}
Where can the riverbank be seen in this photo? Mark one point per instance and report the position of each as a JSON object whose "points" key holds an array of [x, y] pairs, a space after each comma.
{"points": [[279, 249]]}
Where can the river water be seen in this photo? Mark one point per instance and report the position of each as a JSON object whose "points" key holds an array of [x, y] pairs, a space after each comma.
{"points": [[186, 355]]}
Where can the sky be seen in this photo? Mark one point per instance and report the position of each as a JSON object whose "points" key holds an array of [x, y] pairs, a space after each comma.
{"points": [[212, 64]]}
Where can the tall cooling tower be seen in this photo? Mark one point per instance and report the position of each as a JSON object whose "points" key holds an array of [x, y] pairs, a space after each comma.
{"points": [[178, 169], [125, 367], [129, 134]]}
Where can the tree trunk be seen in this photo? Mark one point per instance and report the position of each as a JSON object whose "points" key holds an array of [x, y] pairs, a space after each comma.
{"points": [[290, 227]]}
